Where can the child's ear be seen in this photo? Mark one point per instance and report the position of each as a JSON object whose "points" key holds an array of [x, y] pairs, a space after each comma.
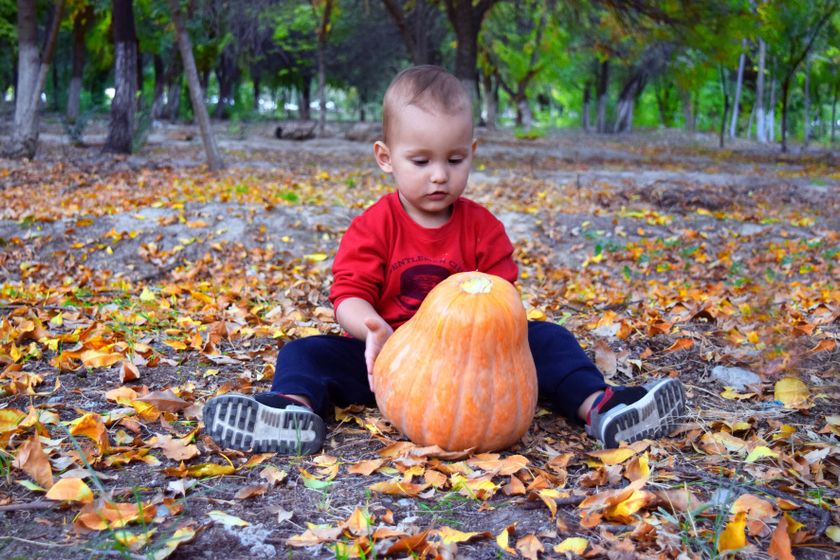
{"points": [[474, 145], [383, 156]]}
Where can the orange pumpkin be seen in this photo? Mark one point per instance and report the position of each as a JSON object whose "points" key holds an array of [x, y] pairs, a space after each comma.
{"points": [[459, 374]]}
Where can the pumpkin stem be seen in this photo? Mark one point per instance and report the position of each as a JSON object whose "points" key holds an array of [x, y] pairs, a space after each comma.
{"points": [[477, 285]]}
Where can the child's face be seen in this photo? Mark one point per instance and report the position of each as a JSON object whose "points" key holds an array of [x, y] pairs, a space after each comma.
{"points": [[429, 155]]}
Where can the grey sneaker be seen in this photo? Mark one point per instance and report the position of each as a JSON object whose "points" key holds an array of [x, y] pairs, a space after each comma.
{"points": [[241, 422], [633, 413]]}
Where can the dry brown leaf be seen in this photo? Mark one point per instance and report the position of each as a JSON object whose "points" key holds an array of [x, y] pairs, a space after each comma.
{"points": [[32, 460], [530, 547]]}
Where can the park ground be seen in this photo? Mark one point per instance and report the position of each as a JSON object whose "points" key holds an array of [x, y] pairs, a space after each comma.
{"points": [[134, 288]]}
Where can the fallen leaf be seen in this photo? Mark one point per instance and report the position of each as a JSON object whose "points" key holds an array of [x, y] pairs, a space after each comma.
{"points": [[791, 391], [780, 542], [680, 344], [71, 490], [165, 401], [251, 491], [226, 519], [449, 535], [612, 456], [32, 460], [101, 514], [760, 452], [576, 545], [733, 536], [530, 547]]}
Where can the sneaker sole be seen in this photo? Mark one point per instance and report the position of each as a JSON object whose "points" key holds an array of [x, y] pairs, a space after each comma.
{"points": [[653, 416], [240, 422]]}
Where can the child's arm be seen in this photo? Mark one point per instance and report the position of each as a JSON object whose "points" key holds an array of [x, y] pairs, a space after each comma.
{"points": [[358, 318]]}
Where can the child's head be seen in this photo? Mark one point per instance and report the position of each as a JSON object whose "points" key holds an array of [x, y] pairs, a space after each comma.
{"points": [[428, 87], [428, 141]]}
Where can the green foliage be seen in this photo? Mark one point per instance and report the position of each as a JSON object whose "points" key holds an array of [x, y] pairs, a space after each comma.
{"points": [[8, 26]]}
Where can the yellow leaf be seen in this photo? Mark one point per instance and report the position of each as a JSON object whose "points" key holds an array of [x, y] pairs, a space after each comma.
{"points": [[71, 490], [315, 257], [449, 535], [209, 469], [9, 419], [226, 519], [576, 545], [95, 358], [91, 425], [398, 488], [760, 452], [101, 514], [732, 394], [133, 541], [733, 536], [833, 533], [146, 296], [612, 456], [535, 314], [791, 391], [638, 468], [503, 539]]}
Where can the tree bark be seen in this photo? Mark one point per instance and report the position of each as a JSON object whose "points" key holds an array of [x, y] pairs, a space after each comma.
{"points": [[725, 106], [466, 17], [214, 158], [587, 101], [770, 118], [174, 82], [491, 100], [305, 99], [32, 74], [806, 133], [785, 91], [834, 112], [603, 86], [121, 128], [688, 114], [733, 127], [760, 130], [160, 86]]}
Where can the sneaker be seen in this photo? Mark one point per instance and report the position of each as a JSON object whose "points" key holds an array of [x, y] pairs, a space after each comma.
{"points": [[242, 422], [633, 413]]}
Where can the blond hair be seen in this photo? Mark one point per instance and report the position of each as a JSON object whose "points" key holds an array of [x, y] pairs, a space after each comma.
{"points": [[426, 86]]}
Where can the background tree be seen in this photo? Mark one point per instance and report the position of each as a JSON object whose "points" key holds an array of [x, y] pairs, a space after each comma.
{"points": [[214, 158], [31, 76], [123, 106], [420, 24]]}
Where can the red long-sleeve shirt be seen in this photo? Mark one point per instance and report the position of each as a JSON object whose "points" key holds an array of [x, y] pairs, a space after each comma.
{"points": [[390, 261]]}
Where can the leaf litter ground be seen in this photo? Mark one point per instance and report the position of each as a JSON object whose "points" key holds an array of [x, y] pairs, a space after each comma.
{"points": [[136, 288]]}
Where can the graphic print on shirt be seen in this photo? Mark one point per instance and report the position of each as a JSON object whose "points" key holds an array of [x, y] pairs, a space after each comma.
{"points": [[417, 281]]}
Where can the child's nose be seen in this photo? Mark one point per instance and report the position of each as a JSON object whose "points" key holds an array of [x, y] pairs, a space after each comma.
{"points": [[439, 174]]}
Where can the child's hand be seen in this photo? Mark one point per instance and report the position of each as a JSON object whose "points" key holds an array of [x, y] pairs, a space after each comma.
{"points": [[378, 332]]}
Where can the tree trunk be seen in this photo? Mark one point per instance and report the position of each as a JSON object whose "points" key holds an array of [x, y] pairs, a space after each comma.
{"points": [[466, 17], [322, 89], [806, 133], [173, 87], [160, 86], [733, 127], [770, 118], [32, 74], [305, 98], [834, 112], [587, 101], [121, 128], [750, 122], [214, 158], [491, 100], [760, 129], [725, 106], [785, 92], [603, 85], [624, 106], [688, 114], [255, 79]]}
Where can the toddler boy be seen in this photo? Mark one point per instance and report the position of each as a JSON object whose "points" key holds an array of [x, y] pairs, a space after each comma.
{"points": [[389, 259]]}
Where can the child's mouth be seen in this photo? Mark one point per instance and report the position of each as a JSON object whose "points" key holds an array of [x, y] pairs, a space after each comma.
{"points": [[437, 195]]}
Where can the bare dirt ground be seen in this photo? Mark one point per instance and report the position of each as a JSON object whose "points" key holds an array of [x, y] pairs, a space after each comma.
{"points": [[637, 243]]}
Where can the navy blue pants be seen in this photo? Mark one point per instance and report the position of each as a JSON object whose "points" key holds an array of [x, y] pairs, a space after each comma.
{"points": [[330, 370]]}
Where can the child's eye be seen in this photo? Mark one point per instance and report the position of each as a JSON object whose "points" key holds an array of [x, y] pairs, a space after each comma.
{"points": [[455, 161], [420, 162]]}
